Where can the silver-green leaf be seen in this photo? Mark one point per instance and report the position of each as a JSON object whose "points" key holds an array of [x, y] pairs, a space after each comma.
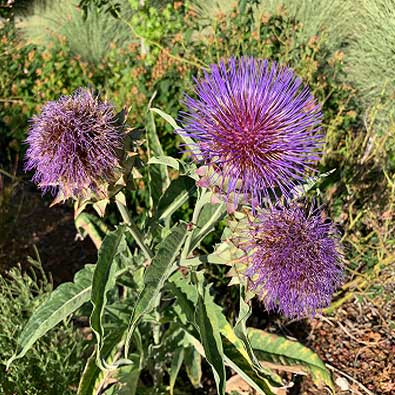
{"points": [[63, 301]]}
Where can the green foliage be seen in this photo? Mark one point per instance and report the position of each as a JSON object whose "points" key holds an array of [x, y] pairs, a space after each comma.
{"points": [[155, 315], [104, 279], [110, 6], [371, 54], [277, 349], [152, 310], [359, 33], [89, 38], [6, 8], [59, 354], [66, 299], [161, 58]]}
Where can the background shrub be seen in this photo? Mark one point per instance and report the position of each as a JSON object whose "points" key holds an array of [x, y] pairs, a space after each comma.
{"points": [[89, 38]]}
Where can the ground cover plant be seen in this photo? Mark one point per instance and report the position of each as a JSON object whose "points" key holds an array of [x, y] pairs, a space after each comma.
{"points": [[154, 184], [58, 354]]}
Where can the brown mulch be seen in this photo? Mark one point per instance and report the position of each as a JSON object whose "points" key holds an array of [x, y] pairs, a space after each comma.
{"points": [[358, 342]]}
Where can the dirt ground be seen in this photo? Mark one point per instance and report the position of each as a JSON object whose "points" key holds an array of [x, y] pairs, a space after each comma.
{"points": [[357, 341], [28, 221], [358, 344]]}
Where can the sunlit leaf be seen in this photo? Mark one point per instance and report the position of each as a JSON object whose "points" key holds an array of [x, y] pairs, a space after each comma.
{"points": [[170, 120], [175, 196], [235, 354], [103, 280], [211, 339], [92, 372], [208, 218], [193, 366], [175, 367], [161, 267], [63, 301], [166, 161], [88, 224], [279, 350]]}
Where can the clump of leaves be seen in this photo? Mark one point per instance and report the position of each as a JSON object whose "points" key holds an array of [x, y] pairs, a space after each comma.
{"points": [[55, 362]]}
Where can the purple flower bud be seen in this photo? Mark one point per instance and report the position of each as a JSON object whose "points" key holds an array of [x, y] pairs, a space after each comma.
{"points": [[256, 125], [294, 260], [73, 145]]}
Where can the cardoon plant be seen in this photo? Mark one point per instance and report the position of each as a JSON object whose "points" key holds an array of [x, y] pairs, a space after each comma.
{"points": [[256, 126], [73, 145], [294, 260]]}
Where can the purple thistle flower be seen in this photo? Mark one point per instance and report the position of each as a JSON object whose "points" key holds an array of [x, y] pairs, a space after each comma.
{"points": [[294, 259], [73, 145], [256, 125]]}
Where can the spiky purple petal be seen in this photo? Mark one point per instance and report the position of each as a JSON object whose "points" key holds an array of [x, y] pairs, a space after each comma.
{"points": [[73, 145], [295, 260], [256, 124]]}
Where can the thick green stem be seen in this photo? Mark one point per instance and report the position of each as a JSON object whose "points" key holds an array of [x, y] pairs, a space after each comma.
{"points": [[134, 231], [198, 207]]}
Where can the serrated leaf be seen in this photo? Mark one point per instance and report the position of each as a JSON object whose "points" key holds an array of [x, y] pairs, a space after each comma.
{"points": [[277, 349], [63, 301], [103, 280], [156, 274]]}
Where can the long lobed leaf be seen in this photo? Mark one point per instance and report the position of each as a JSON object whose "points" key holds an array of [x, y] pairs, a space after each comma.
{"points": [[156, 275], [103, 280], [64, 300], [277, 349]]}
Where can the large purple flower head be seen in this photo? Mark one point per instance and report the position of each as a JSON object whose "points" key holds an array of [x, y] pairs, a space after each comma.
{"points": [[294, 260], [256, 125], [73, 145]]}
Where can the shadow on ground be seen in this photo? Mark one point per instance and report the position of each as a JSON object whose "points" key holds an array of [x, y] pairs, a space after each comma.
{"points": [[27, 221]]}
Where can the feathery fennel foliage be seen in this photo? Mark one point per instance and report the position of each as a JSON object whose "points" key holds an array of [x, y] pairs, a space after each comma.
{"points": [[91, 38], [371, 53]]}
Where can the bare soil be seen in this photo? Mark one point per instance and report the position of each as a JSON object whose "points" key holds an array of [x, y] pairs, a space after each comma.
{"points": [[27, 222], [358, 342]]}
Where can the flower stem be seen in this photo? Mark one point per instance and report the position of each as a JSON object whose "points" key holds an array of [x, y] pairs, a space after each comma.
{"points": [[134, 230], [198, 207]]}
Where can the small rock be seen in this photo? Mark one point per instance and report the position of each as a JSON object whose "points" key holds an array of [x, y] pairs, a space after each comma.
{"points": [[342, 383]]}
